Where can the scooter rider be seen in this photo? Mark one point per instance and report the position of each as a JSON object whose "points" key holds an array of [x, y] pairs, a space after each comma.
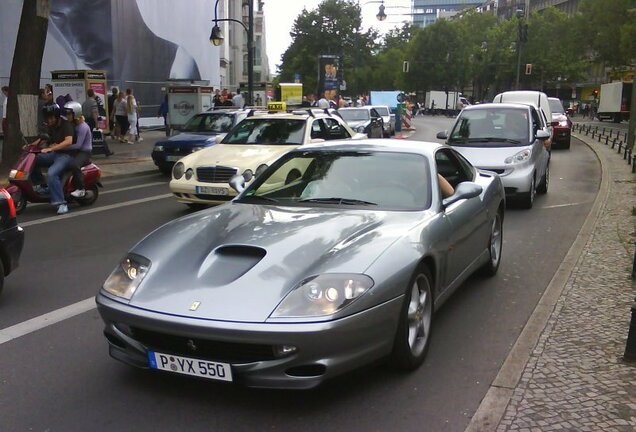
{"points": [[55, 156], [81, 147]]}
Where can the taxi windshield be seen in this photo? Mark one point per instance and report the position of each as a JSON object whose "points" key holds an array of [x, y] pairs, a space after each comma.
{"points": [[256, 130]]}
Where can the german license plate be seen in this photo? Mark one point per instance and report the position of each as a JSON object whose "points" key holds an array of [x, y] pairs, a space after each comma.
{"points": [[173, 158], [190, 366], [210, 190]]}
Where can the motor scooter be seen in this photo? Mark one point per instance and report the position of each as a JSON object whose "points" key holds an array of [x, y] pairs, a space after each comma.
{"points": [[22, 189]]}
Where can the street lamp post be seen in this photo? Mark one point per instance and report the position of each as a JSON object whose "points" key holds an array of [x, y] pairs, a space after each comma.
{"points": [[522, 35], [216, 38]]}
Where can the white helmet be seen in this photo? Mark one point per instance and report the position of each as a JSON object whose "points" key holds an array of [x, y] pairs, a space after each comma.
{"points": [[73, 107]]}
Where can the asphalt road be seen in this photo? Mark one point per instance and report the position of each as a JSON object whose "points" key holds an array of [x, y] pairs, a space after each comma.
{"points": [[60, 378]]}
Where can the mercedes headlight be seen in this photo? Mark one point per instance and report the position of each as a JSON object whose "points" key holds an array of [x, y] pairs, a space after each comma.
{"points": [[520, 157], [360, 129], [261, 168], [248, 175], [158, 148], [125, 279], [178, 170], [323, 295]]}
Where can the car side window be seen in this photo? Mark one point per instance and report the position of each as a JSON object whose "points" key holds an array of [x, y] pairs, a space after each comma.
{"points": [[335, 130], [374, 113], [452, 168], [317, 130], [536, 121]]}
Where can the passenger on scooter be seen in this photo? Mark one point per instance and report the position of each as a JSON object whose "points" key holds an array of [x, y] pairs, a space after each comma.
{"points": [[56, 156], [81, 147]]}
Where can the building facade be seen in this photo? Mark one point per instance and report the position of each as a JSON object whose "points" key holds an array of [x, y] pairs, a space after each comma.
{"points": [[426, 12]]}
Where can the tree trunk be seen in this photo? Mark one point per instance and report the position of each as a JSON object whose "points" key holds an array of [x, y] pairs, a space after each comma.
{"points": [[24, 84]]}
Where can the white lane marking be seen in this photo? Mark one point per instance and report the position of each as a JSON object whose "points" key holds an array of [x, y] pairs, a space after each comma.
{"points": [[42, 321], [114, 190], [566, 205], [94, 210], [133, 187], [107, 180]]}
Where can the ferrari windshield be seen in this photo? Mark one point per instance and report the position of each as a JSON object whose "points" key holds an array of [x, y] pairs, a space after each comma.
{"points": [[218, 123], [354, 114], [384, 180], [491, 127], [255, 130]]}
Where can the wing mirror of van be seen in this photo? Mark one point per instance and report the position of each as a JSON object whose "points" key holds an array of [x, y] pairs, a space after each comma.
{"points": [[542, 134]]}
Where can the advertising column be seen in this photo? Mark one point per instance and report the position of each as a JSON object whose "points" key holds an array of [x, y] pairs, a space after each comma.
{"points": [[328, 83], [72, 85]]}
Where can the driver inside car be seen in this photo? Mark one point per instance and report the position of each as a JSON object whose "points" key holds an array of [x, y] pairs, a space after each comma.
{"points": [[56, 156]]}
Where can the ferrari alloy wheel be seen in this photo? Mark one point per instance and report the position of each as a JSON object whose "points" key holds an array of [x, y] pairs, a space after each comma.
{"points": [[414, 329]]}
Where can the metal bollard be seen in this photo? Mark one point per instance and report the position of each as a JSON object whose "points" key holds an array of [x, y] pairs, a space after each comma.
{"points": [[607, 140], [620, 146], [603, 131], [630, 346], [593, 133], [614, 142]]}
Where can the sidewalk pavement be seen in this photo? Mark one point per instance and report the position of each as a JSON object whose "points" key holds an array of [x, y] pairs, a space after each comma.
{"points": [[129, 158], [566, 371]]}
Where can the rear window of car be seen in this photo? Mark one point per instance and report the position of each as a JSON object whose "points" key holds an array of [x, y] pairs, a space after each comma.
{"points": [[354, 114], [556, 106], [268, 131], [493, 127], [383, 111], [209, 123]]}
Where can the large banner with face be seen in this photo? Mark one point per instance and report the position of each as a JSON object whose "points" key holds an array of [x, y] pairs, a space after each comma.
{"points": [[328, 82], [140, 44]]}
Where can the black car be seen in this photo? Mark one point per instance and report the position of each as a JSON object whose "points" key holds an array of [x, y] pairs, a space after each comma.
{"points": [[364, 120], [11, 237], [199, 132]]}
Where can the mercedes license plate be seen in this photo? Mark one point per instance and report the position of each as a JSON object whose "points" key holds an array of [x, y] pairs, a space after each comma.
{"points": [[190, 366], [210, 190]]}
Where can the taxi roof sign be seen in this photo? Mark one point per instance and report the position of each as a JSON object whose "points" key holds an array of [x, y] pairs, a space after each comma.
{"points": [[277, 106]]}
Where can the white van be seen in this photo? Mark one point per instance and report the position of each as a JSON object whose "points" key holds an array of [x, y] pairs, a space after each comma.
{"points": [[537, 99]]}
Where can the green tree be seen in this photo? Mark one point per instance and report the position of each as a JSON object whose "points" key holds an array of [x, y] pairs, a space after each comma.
{"points": [[602, 26], [555, 66], [334, 27]]}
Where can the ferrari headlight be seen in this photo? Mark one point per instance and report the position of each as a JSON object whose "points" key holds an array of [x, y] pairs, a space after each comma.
{"points": [[178, 170], [125, 279], [323, 295], [360, 129], [158, 148], [520, 157]]}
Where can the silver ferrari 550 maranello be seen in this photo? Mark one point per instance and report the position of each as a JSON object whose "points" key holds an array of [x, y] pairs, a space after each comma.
{"points": [[303, 277]]}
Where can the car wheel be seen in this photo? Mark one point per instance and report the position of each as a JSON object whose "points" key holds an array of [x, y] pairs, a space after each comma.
{"points": [[528, 200], [545, 181], [495, 245], [414, 328], [20, 202]]}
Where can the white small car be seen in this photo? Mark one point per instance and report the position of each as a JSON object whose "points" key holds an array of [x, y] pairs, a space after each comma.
{"points": [[202, 178]]}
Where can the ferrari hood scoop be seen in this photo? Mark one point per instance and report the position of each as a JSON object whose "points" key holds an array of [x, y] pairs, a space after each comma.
{"points": [[227, 263]]}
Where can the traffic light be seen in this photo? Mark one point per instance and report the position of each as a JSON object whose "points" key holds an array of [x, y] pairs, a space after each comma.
{"points": [[528, 68]]}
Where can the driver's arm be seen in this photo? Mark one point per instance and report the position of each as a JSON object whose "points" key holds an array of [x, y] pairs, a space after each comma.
{"points": [[445, 186], [68, 140]]}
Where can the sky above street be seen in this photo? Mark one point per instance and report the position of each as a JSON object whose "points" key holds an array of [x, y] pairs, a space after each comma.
{"points": [[281, 14]]}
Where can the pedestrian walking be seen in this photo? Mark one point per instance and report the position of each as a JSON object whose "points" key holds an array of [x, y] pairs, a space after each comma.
{"points": [[163, 112], [121, 116], [90, 110], [131, 113], [238, 100]]}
